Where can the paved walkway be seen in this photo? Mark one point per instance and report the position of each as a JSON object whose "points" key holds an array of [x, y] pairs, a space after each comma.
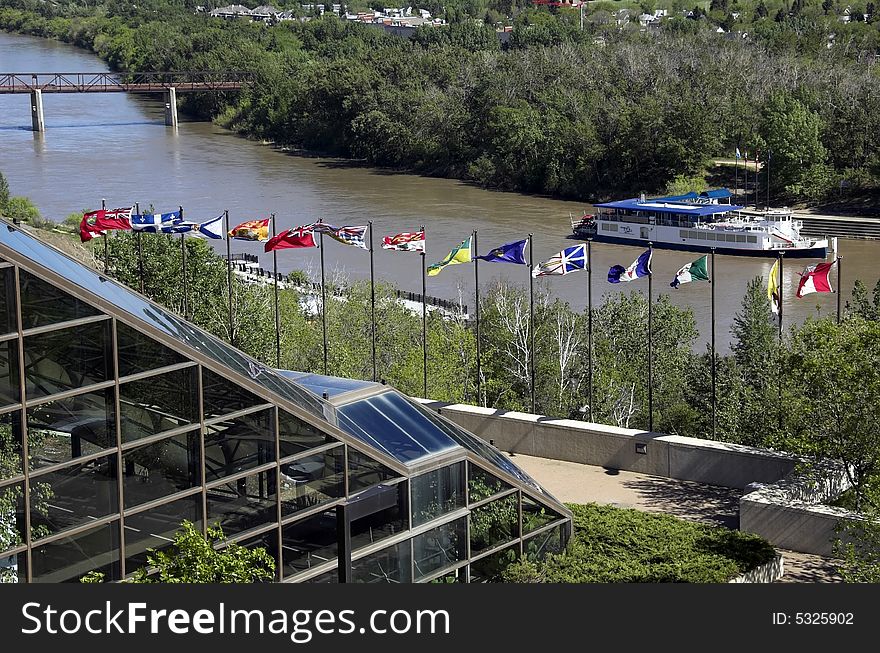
{"points": [[576, 483]]}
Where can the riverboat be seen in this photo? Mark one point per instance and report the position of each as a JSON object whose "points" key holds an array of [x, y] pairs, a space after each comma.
{"points": [[699, 222]]}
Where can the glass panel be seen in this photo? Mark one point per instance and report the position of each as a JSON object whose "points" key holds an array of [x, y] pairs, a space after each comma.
{"points": [[10, 447], [62, 430], [490, 568], [159, 318], [158, 403], [312, 480], [364, 472], [8, 318], [13, 568], [384, 523], [309, 543], [10, 390], [534, 515], [391, 423], [155, 529], [70, 558], [221, 396], [267, 541], [391, 565], [11, 519], [331, 577], [540, 545], [244, 504], [439, 548], [331, 385], [239, 444], [140, 353], [67, 359], [42, 303], [482, 484], [74, 495], [297, 436], [494, 523], [161, 469], [437, 493]]}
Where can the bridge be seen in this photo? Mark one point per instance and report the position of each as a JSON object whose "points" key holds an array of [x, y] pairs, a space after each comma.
{"points": [[168, 83]]}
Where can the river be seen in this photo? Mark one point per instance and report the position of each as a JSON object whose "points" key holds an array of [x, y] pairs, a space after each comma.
{"points": [[116, 147]]}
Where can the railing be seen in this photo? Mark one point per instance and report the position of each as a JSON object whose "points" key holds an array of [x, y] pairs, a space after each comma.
{"points": [[108, 82]]}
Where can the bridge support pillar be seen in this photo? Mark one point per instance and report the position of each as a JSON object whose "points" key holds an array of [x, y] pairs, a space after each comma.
{"points": [[171, 107], [37, 121]]}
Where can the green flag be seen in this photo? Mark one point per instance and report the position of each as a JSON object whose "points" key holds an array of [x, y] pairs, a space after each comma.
{"points": [[461, 254], [694, 271]]}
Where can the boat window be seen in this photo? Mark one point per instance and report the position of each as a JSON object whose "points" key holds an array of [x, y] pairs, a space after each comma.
{"points": [[753, 239], [683, 233], [740, 239]]}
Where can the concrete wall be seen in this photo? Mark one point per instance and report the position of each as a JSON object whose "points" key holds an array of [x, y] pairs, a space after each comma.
{"points": [[703, 461]]}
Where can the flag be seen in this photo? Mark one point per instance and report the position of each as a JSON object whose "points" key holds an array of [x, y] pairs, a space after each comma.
{"points": [[212, 228], [460, 254], [694, 271], [405, 242], [97, 223], [814, 278], [641, 267], [773, 288], [165, 223], [292, 239], [251, 230], [738, 155], [571, 259], [347, 235], [508, 253]]}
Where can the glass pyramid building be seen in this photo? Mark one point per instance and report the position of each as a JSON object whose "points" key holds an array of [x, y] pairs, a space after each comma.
{"points": [[119, 420]]}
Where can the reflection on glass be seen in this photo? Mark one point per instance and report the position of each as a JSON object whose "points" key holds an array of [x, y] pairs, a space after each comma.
{"points": [[437, 493], [312, 480], [550, 541], [156, 528], [8, 319], [42, 303], [385, 522], [534, 515], [13, 568], [140, 353], [10, 445], [11, 520], [158, 403], [10, 390], [70, 558], [243, 504], [391, 565], [222, 396], [309, 542], [328, 578], [439, 548], [232, 446], [297, 435], [494, 523], [267, 541], [482, 484], [66, 429], [74, 495], [67, 359], [364, 472], [160, 469], [490, 568]]}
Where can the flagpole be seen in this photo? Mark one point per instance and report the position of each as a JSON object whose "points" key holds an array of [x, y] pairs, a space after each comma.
{"points": [[477, 314], [372, 300], [229, 273], [323, 299], [104, 236], [736, 172], [839, 287], [277, 313], [137, 210], [185, 285], [650, 348], [714, 395], [532, 323], [745, 179], [424, 322], [779, 257], [769, 156], [779, 367], [590, 328]]}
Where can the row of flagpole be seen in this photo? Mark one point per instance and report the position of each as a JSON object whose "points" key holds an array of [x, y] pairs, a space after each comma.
{"points": [[745, 157], [571, 259]]}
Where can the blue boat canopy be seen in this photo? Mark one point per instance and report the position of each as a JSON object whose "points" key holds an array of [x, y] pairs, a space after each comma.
{"points": [[717, 194], [664, 205]]}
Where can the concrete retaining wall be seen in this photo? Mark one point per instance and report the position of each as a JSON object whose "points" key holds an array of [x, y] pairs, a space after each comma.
{"points": [[767, 573], [672, 456]]}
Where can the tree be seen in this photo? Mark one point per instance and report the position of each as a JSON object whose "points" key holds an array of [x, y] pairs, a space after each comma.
{"points": [[4, 193], [827, 5], [761, 10], [197, 558]]}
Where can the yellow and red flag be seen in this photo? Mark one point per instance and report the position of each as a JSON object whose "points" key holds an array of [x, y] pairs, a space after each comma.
{"points": [[251, 230]]}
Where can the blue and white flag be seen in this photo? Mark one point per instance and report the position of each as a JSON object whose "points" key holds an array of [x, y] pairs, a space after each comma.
{"points": [[212, 228], [571, 259], [158, 223], [508, 253], [738, 155], [641, 267]]}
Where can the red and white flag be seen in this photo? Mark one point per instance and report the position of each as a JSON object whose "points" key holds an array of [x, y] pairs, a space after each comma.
{"points": [[292, 239], [814, 278], [406, 242], [98, 223]]}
